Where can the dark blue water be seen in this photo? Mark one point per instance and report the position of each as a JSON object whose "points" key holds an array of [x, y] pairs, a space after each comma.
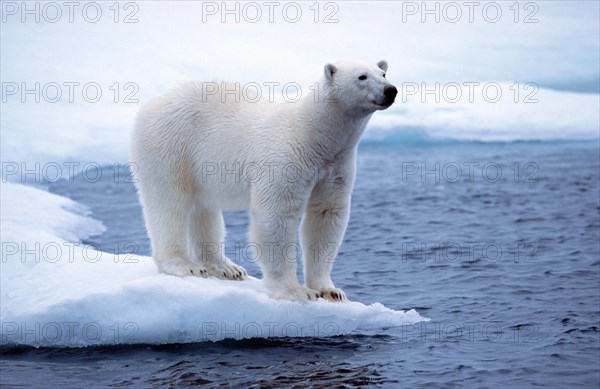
{"points": [[498, 244]]}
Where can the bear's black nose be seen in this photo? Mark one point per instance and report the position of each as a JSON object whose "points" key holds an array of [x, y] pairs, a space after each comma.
{"points": [[390, 92]]}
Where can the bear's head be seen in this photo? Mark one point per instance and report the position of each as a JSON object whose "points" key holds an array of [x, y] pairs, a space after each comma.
{"points": [[359, 87]]}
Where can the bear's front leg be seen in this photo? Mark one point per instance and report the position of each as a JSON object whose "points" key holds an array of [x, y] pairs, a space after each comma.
{"points": [[273, 230], [321, 235]]}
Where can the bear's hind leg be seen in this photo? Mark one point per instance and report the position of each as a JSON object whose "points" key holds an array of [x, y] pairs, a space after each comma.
{"points": [[166, 223], [207, 234]]}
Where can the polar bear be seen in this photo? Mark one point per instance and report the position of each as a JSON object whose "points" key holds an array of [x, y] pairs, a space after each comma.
{"points": [[206, 147]]}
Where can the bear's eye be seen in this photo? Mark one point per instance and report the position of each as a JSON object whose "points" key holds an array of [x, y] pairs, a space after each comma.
{"points": [[363, 77], [383, 75]]}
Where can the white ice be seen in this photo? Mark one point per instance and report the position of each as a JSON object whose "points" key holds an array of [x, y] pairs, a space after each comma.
{"points": [[519, 114], [58, 292]]}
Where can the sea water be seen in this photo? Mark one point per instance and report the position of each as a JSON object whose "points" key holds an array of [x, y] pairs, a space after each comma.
{"points": [[498, 244]]}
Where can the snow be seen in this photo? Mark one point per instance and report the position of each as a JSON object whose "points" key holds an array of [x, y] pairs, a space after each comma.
{"points": [[527, 115], [56, 291], [88, 134]]}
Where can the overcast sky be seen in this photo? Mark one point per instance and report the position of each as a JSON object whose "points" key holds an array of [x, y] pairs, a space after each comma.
{"points": [[170, 41], [552, 43]]}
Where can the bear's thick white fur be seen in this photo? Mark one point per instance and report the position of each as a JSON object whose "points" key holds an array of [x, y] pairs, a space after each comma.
{"points": [[200, 153]]}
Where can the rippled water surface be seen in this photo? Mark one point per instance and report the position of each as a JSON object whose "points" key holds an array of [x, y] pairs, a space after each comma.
{"points": [[497, 244]]}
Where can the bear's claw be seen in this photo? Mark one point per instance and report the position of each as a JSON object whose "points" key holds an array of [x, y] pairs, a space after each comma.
{"points": [[228, 271], [199, 272], [178, 266], [298, 293], [334, 294]]}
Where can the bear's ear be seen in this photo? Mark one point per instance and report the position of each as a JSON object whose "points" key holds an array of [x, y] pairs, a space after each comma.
{"points": [[329, 71], [383, 65]]}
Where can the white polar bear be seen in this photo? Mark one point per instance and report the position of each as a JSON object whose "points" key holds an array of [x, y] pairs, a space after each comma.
{"points": [[199, 152]]}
